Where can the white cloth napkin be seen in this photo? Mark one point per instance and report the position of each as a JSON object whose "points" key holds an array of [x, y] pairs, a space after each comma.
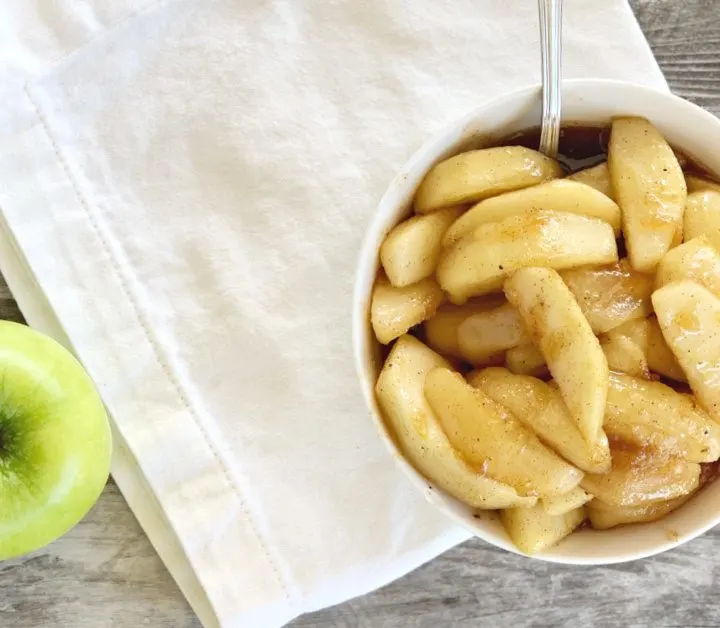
{"points": [[184, 187]]}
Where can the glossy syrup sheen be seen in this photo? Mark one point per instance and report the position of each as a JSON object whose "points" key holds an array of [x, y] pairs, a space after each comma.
{"points": [[586, 146], [580, 146]]}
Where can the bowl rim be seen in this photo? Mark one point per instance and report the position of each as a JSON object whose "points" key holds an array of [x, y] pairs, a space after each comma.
{"points": [[368, 264]]}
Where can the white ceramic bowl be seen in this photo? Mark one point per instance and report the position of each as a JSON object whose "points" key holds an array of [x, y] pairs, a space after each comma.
{"points": [[687, 127]]}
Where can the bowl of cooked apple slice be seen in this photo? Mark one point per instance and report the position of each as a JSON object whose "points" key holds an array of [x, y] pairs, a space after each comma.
{"points": [[538, 340]]}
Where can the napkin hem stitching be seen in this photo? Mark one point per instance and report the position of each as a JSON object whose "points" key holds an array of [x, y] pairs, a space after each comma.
{"points": [[169, 372]]}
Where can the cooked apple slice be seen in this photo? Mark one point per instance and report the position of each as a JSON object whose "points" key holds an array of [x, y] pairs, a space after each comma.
{"points": [[541, 408], [660, 358], [624, 355], [478, 174], [526, 360], [646, 334], [689, 316], [696, 260], [649, 187], [562, 504], [610, 295], [399, 391], [479, 263], [653, 415], [489, 437], [597, 177], [639, 476], [564, 336], [702, 214], [441, 330], [558, 195], [395, 310], [603, 516], [411, 250], [533, 530], [484, 335]]}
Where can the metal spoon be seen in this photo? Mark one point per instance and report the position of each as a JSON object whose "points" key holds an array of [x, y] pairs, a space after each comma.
{"points": [[550, 12]]}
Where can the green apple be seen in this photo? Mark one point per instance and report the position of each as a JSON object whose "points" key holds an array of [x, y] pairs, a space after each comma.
{"points": [[55, 441]]}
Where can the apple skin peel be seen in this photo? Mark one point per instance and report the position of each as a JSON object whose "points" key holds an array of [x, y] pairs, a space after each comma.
{"points": [[55, 441]]}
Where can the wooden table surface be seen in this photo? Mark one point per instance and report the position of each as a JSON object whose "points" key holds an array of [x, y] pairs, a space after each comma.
{"points": [[105, 573]]}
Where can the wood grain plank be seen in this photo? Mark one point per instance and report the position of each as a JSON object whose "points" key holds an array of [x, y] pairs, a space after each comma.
{"points": [[477, 585], [104, 573], [685, 38]]}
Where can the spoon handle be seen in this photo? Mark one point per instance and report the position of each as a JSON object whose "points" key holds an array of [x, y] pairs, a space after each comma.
{"points": [[550, 12]]}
